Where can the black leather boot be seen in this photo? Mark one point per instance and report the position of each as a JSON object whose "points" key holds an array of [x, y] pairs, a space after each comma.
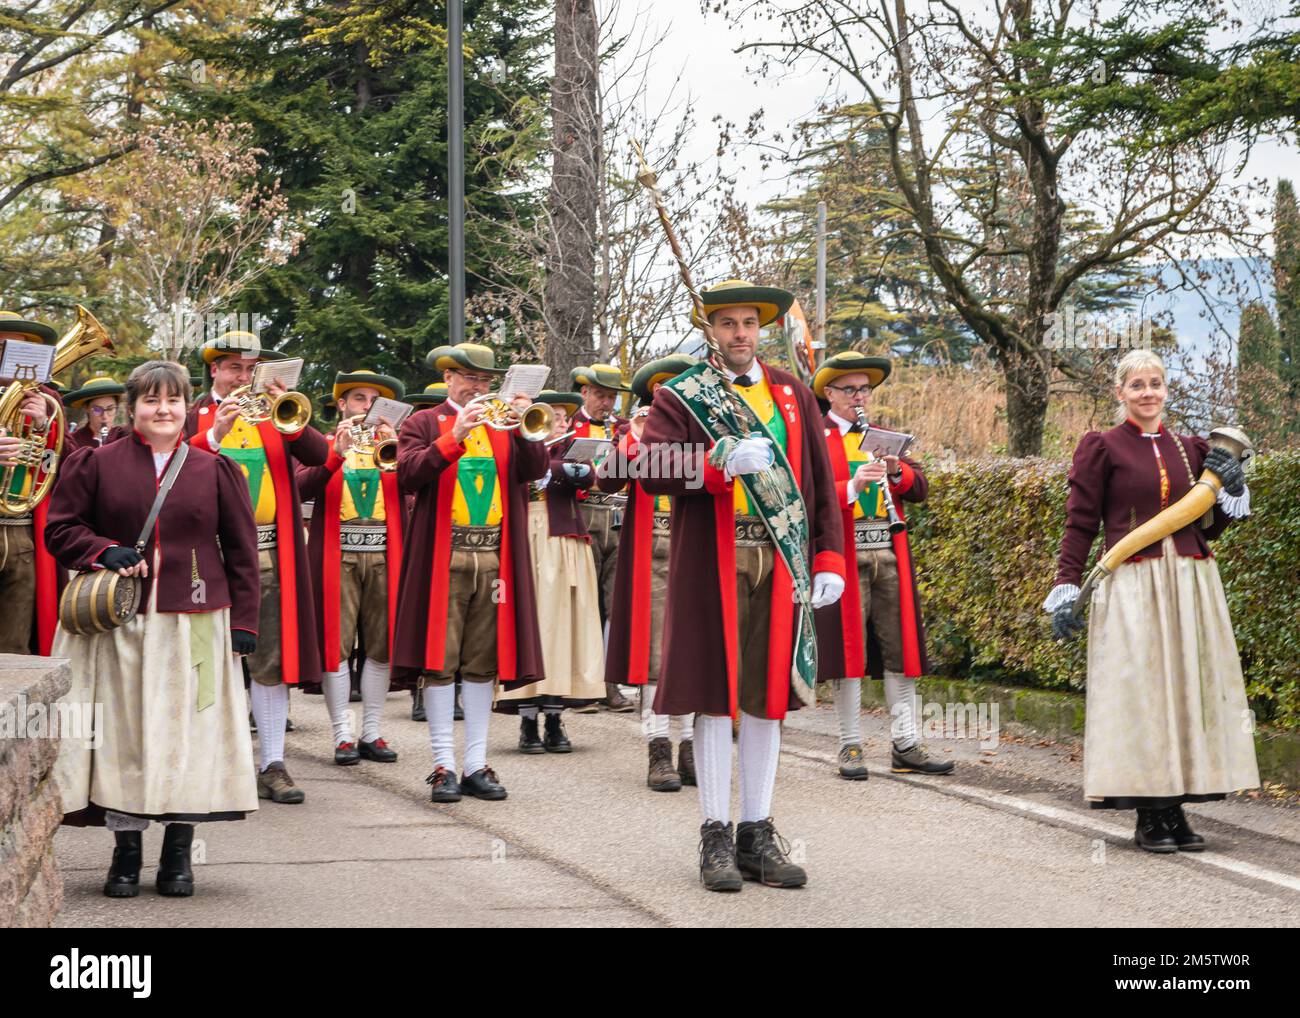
{"points": [[1153, 833], [718, 870], [529, 740], [175, 878], [763, 855], [124, 874], [554, 740], [417, 705], [1185, 838]]}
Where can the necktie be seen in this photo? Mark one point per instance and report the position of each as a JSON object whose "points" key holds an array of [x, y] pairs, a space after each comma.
{"points": [[856, 428]]}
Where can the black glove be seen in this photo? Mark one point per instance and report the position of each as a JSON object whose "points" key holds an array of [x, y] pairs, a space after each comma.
{"points": [[242, 642], [1227, 469], [120, 557], [1065, 625]]}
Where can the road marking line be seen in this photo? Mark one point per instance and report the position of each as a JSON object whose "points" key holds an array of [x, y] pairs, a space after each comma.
{"points": [[1063, 816]]}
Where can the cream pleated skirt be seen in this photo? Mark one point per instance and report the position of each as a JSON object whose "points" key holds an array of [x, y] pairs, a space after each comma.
{"points": [[1166, 703], [171, 737], [568, 616]]}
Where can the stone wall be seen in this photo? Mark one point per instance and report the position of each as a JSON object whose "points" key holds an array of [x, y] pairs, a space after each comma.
{"points": [[31, 887]]}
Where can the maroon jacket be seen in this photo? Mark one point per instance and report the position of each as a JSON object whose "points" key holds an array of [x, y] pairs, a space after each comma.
{"points": [[206, 526], [425, 451], [698, 673], [88, 438], [1115, 483], [562, 495]]}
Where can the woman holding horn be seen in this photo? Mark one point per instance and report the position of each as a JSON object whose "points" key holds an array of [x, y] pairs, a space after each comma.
{"points": [[1167, 720]]}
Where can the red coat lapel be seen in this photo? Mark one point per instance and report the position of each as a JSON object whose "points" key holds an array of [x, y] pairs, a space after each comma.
{"points": [[278, 465], [780, 637], [435, 647], [393, 516], [506, 642], [851, 625]]}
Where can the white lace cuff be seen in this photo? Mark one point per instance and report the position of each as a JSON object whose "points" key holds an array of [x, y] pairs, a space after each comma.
{"points": [[1236, 506], [1062, 593], [541, 483]]}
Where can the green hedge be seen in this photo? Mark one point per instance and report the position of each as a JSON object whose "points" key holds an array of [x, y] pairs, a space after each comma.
{"points": [[986, 544]]}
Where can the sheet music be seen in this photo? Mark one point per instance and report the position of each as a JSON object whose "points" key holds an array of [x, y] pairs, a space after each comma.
{"points": [[527, 379], [583, 449], [883, 442], [30, 361], [286, 372], [387, 411]]}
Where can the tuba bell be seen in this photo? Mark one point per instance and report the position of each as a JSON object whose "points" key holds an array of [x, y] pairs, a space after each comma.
{"points": [[25, 482]]}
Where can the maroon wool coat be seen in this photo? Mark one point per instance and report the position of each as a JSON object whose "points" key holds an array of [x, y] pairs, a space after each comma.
{"points": [[562, 516], [1115, 484], [88, 438], [309, 448], [424, 452], [103, 498], [694, 674]]}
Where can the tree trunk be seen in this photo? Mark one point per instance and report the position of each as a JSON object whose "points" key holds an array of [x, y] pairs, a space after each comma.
{"points": [[1026, 379], [569, 294]]}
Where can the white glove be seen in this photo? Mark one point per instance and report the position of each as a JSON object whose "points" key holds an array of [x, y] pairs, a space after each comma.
{"points": [[826, 589], [575, 471], [750, 456]]}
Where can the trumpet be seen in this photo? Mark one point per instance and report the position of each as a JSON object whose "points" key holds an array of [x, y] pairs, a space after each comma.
{"points": [[289, 412], [535, 423], [382, 450], [897, 524]]}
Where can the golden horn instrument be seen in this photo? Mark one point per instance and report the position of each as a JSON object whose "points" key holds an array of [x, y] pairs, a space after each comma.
{"points": [[1191, 507], [535, 423], [29, 478], [289, 412], [383, 451]]}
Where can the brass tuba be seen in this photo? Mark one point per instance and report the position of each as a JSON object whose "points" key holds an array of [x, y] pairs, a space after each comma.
{"points": [[535, 423], [1196, 503], [289, 412], [43, 446]]}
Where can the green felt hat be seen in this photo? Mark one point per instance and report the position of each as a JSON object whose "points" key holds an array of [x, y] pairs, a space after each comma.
{"points": [[650, 376], [569, 400], [771, 301], [39, 332], [850, 362], [386, 384], [467, 356], [95, 387], [608, 376], [432, 395], [237, 343]]}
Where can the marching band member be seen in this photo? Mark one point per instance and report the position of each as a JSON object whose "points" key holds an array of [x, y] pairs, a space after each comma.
{"points": [[99, 398], [636, 621], [355, 548], [466, 600], [28, 574], [173, 741], [1166, 697], [600, 385], [568, 610], [287, 651], [738, 631], [876, 627]]}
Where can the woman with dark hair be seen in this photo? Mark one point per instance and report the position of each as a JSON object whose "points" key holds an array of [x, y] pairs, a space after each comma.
{"points": [[1167, 718], [164, 691]]}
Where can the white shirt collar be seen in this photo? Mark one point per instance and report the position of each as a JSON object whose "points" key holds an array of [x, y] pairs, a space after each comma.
{"points": [[840, 422], [753, 371], [453, 404]]}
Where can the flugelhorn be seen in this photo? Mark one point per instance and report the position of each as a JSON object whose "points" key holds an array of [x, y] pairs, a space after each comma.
{"points": [[42, 446], [289, 412], [1192, 506], [897, 524], [535, 423], [383, 450]]}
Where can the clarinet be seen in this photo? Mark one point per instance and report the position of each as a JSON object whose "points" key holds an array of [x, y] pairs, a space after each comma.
{"points": [[103, 434], [897, 524]]}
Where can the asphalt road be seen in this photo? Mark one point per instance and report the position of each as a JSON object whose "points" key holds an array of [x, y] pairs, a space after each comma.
{"points": [[1004, 841]]}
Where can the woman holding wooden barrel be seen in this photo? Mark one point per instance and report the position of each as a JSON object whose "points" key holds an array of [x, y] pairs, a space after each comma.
{"points": [[164, 688], [1167, 719]]}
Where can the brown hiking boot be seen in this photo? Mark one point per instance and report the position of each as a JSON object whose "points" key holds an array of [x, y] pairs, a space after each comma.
{"points": [[275, 784], [615, 700], [662, 777], [686, 761]]}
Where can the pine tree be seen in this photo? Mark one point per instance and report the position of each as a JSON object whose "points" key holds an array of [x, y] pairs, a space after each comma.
{"points": [[349, 101], [1286, 285]]}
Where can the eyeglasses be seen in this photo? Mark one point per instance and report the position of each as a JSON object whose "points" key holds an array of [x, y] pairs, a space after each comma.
{"points": [[102, 411], [851, 390], [476, 379]]}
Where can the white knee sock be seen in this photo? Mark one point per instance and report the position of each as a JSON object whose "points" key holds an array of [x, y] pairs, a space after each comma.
{"points": [[337, 689], [476, 702], [528, 712], [270, 711], [439, 710], [653, 726], [374, 691], [900, 694], [713, 767], [848, 705], [687, 721], [759, 751]]}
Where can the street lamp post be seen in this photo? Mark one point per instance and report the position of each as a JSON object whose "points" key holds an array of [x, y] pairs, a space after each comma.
{"points": [[455, 172]]}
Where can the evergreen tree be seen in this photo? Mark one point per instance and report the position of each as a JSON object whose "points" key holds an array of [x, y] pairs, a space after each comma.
{"points": [[1286, 285]]}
